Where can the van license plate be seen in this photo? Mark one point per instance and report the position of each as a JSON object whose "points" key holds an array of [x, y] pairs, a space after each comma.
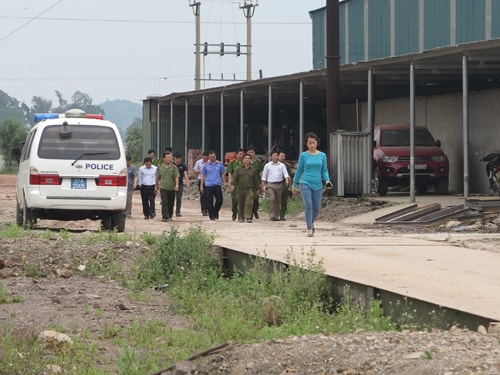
{"points": [[79, 183], [420, 166]]}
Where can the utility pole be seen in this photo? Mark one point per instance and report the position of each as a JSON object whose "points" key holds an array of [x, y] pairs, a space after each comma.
{"points": [[248, 8], [195, 5], [332, 68]]}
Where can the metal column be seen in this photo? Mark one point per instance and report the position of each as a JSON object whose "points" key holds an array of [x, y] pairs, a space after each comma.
{"points": [[186, 127], [242, 119], [301, 117], [221, 125], [369, 124], [171, 122], [270, 123], [158, 127], [203, 141], [465, 123], [412, 132]]}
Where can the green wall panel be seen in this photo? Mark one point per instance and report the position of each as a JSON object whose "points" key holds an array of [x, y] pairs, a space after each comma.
{"points": [[470, 20], [406, 26], [379, 29], [436, 23], [356, 30]]}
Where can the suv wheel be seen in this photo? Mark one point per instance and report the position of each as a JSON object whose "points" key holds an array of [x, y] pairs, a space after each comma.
{"points": [[380, 186], [442, 186], [421, 189]]}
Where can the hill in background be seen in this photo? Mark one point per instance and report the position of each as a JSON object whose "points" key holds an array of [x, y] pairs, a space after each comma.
{"points": [[121, 112]]}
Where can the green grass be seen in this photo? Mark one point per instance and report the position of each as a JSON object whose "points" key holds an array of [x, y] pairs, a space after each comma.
{"points": [[264, 300], [5, 298]]}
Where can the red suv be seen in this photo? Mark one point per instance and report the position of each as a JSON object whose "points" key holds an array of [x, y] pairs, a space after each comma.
{"points": [[391, 159]]}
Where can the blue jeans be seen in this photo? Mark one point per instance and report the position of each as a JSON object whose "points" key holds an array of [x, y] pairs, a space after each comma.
{"points": [[312, 203]]}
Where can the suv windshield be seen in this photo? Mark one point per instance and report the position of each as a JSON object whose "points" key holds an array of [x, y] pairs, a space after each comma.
{"points": [[401, 137], [86, 141]]}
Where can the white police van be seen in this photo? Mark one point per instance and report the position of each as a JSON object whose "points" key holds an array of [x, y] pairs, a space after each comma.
{"points": [[72, 167]]}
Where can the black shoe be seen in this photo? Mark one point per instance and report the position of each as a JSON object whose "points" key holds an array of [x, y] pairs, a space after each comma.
{"points": [[178, 215], [204, 212], [152, 216], [146, 217], [256, 214], [234, 216]]}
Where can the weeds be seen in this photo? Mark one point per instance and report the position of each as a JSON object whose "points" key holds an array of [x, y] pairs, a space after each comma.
{"points": [[4, 297], [258, 301], [12, 230]]}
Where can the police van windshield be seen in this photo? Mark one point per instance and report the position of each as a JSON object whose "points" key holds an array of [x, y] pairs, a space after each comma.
{"points": [[89, 142]]}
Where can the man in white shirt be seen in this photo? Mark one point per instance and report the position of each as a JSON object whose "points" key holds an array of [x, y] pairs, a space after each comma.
{"points": [[147, 182], [198, 166], [272, 183]]}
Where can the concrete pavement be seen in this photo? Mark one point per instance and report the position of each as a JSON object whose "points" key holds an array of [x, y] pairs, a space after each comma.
{"points": [[413, 266]]}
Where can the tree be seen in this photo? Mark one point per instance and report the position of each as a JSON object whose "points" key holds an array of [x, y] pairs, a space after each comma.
{"points": [[133, 140], [12, 134], [79, 100], [10, 108], [38, 105]]}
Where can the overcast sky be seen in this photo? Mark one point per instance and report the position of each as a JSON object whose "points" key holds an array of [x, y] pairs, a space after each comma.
{"points": [[124, 49]]}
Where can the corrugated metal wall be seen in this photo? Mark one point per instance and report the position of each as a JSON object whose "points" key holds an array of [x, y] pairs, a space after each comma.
{"points": [[406, 22], [371, 29], [147, 125], [437, 19], [379, 29], [356, 35], [350, 163], [495, 22], [318, 35], [470, 20]]}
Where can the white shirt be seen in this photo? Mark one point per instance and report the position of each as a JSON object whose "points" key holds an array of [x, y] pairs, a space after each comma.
{"points": [[274, 172], [198, 166], [147, 176]]}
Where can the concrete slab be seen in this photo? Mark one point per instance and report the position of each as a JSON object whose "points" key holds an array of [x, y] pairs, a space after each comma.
{"points": [[425, 267]]}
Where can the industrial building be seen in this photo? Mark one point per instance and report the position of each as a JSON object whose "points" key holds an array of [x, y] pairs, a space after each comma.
{"points": [[436, 63]]}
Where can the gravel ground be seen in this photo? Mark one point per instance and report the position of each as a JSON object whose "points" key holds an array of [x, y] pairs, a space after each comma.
{"points": [[63, 295]]}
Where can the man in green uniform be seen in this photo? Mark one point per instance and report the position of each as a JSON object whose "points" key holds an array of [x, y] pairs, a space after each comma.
{"points": [[246, 181], [154, 160], [285, 193], [167, 181], [258, 167], [232, 166]]}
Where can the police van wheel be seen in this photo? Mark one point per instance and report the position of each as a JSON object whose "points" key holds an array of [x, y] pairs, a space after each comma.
{"points": [[29, 220], [19, 214], [106, 223], [112, 221], [118, 221]]}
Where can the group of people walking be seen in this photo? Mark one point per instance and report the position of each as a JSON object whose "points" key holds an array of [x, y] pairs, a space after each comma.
{"points": [[167, 176], [245, 178]]}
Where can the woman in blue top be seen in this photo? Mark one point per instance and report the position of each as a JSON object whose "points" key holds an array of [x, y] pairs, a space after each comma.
{"points": [[311, 171]]}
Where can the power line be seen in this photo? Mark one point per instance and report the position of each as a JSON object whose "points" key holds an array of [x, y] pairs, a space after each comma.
{"points": [[29, 21], [138, 21]]}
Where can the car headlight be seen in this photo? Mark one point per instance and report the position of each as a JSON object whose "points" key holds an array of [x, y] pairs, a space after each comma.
{"points": [[390, 159], [440, 158]]}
